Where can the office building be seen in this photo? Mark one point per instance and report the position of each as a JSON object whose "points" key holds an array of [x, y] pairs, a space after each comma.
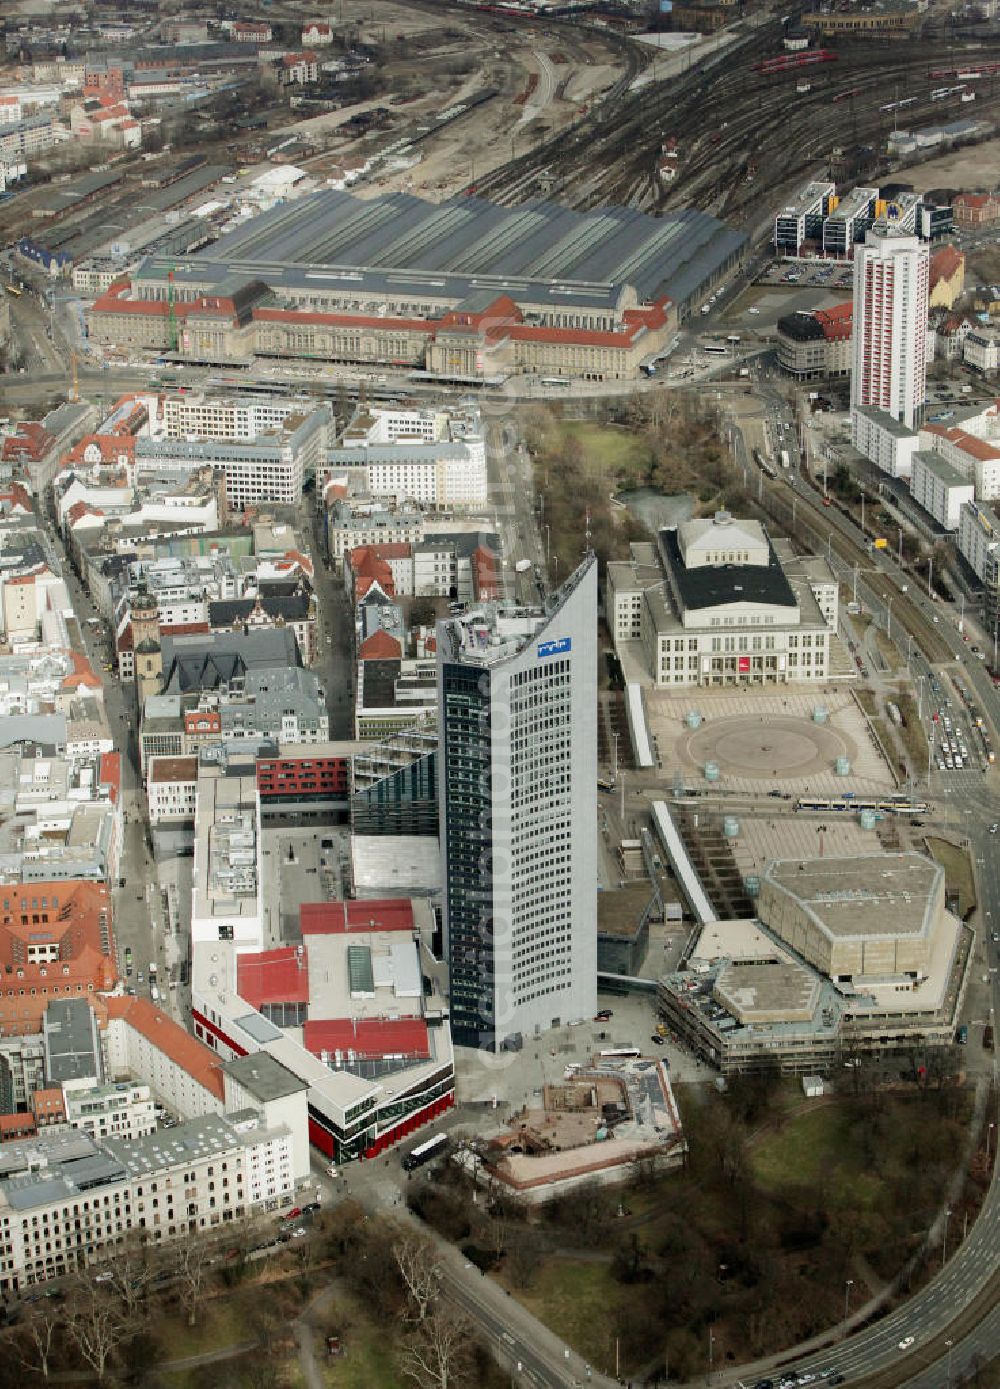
{"points": [[517, 772], [891, 278]]}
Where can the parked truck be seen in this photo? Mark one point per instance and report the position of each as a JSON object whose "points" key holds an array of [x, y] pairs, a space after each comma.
{"points": [[522, 566]]}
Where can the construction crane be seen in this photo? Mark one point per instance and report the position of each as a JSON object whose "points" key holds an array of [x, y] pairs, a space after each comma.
{"points": [[171, 315]]}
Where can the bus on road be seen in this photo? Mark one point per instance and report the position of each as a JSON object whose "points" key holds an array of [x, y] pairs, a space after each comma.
{"points": [[432, 1148]]}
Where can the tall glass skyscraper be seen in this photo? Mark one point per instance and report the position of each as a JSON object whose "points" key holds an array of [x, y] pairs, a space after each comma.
{"points": [[517, 793]]}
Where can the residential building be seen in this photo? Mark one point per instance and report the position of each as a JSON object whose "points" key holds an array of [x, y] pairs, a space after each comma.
{"points": [[110, 1111], [941, 489], [244, 32], [883, 439], [204, 1174], [298, 69], [518, 830], [171, 789], [891, 275], [316, 33], [144, 1044], [56, 942], [981, 350], [947, 277], [976, 209], [716, 602]]}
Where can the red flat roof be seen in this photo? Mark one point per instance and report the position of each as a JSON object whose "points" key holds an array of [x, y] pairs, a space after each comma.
{"points": [[368, 1037], [273, 976], [339, 918]]}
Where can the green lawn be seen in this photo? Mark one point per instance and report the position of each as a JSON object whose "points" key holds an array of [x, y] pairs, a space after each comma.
{"points": [[957, 871], [607, 449], [367, 1364], [815, 1145], [574, 1299], [219, 1324]]}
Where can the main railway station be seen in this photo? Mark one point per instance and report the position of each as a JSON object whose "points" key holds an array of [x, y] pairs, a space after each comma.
{"points": [[461, 287]]}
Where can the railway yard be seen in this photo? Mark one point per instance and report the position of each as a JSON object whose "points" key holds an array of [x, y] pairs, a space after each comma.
{"points": [[731, 123]]}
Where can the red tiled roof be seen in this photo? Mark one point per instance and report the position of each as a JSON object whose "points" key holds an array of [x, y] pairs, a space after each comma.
{"points": [[338, 918], [968, 443], [16, 497], [945, 263], [110, 773], [273, 976], [484, 564], [836, 322], [112, 448], [184, 1050], [16, 1126], [368, 1037], [81, 674], [79, 510], [380, 646]]}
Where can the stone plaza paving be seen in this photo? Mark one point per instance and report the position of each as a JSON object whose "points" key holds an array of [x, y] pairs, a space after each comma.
{"points": [[764, 740]]}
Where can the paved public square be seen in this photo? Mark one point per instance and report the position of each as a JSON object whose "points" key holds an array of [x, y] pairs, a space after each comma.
{"points": [[765, 739]]}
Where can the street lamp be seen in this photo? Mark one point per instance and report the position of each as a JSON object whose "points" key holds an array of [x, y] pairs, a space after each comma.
{"points": [[711, 1350], [847, 1295], [888, 617], [949, 1344], [944, 1246], [989, 1142]]}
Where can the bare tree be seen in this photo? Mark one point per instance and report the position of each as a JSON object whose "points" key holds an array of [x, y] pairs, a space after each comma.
{"points": [[129, 1272], [192, 1259], [420, 1271], [38, 1331], [96, 1326], [437, 1354]]}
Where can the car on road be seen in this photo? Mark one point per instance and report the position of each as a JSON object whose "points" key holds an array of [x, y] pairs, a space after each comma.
{"points": [[907, 1342], [657, 1040], [603, 1015], [293, 1214], [299, 1232], [995, 827]]}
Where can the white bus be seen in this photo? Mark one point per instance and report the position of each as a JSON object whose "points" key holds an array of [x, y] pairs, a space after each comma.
{"points": [[431, 1148]]}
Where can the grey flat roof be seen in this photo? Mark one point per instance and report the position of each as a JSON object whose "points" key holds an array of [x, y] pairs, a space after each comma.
{"points": [[264, 1077], [195, 1139], [465, 249], [72, 1051], [709, 585]]}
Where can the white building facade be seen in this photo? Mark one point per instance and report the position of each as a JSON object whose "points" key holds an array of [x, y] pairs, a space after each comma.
{"points": [[891, 282]]}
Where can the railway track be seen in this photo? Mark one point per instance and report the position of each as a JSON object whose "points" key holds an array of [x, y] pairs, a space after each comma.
{"points": [[728, 117]]}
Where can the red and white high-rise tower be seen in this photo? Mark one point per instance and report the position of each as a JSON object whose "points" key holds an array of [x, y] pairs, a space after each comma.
{"points": [[889, 356]]}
